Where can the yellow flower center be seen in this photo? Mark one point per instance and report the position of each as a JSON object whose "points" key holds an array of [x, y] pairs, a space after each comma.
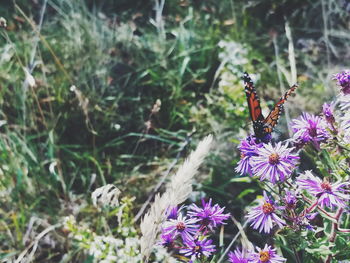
{"points": [[264, 256], [268, 208], [274, 158]]}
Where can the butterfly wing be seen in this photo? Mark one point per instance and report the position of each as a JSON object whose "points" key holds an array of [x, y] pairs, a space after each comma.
{"points": [[272, 119], [252, 99]]}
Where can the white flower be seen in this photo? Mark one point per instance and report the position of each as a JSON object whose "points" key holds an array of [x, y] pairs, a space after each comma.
{"points": [[232, 52], [68, 222]]}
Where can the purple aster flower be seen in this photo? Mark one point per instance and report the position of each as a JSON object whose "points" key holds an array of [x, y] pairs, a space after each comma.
{"points": [[290, 200], [185, 227], [167, 240], [274, 163], [327, 110], [330, 195], [248, 149], [172, 212], [237, 257], [328, 113], [208, 215], [266, 255], [310, 128], [196, 248], [343, 81], [263, 215]]}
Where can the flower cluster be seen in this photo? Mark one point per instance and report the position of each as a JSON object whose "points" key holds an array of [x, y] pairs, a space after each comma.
{"points": [[188, 235], [101, 248], [301, 199], [264, 255]]}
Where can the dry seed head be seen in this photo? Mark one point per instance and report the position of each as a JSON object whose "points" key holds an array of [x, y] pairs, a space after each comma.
{"points": [[106, 196], [156, 106], [3, 22]]}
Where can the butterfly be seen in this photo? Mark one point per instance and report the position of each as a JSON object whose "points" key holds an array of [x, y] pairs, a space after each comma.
{"points": [[262, 126]]}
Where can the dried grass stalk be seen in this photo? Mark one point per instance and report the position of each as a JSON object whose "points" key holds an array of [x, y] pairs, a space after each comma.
{"points": [[177, 191], [106, 196]]}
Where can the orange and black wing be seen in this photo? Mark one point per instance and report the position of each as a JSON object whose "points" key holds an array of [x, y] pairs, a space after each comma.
{"points": [[272, 119], [252, 99]]}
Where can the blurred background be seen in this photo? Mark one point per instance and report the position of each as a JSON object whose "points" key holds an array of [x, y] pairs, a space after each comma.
{"points": [[96, 92]]}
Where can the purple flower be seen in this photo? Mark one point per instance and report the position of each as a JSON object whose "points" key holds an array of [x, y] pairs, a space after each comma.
{"points": [[173, 212], [248, 149], [237, 257], [167, 240], [266, 255], [330, 195], [290, 200], [196, 248], [327, 110], [328, 113], [343, 81], [186, 227], [310, 128], [208, 215], [263, 215], [274, 163]]}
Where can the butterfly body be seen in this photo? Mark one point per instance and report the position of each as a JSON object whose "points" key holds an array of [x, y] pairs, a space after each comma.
{"points": [[262, 131], [262, 126]]}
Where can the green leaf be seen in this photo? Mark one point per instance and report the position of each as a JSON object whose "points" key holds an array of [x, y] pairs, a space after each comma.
{"points": [[245, 192], [245, 179]]}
